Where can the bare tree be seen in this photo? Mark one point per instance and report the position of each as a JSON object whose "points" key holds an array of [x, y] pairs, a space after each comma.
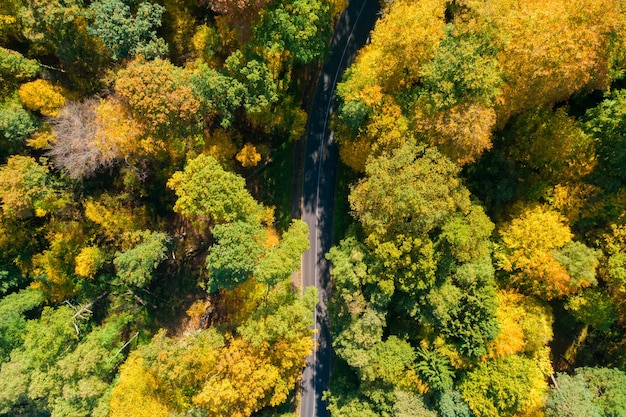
{"points": [[82, 147]]}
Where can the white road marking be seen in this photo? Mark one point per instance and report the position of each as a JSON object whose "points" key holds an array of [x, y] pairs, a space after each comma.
{"points": [[317, 198]]}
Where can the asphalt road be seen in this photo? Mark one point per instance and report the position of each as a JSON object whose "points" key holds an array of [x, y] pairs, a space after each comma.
{"points": [[318, 190]]}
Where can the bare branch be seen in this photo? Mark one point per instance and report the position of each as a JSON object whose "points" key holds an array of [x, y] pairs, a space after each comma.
{"points": [[80, 148]]}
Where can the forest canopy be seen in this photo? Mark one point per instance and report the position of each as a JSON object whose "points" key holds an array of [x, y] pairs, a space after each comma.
{"points": [[148, 154], [482, 144], [146, 234]]}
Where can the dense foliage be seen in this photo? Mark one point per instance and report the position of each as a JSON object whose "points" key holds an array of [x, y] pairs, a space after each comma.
{"points": [[487, 141], [146, 240]]}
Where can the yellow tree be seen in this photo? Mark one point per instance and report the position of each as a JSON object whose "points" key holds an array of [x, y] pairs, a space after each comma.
{"points": [[42, 96], [525, 325], [386, 128], [56, 265], [221, 145], [548, 50], [462, 132], [403, 40], [230, 375], [117, 218], [244, 378], [134, 393], [540, 258], [248, 156], [91, 135], [27, 188]]}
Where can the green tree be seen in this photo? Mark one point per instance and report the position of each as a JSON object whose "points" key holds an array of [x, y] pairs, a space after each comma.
{"points": [[503, 387], [247, 84], [385, 210], [298, 29], [409, 404], [464, 68], [207, 192], [59, 27], [589, 392], [27, 188], [12, 320], [260, 88], [24, 380], [219, 93], [580, 262], [281, 261], [435, 370], [387, 362], [78, 384], [126, 35], [430, 245], [234, 257], [136, 266], [594, 307], [613, 267], [451, 404], [572, 398], [606, 122], [14, 68], [16, 124], [609, 388]]}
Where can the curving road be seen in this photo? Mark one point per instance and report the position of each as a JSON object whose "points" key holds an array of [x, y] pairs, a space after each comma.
{"points": [[318, 189]]}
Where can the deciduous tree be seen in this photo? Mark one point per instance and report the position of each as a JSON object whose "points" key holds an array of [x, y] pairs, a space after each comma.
{"points": [[28, 188], [403, 41], [246, 84], [59, 27], [548, 50], [539, 257], [92, 135], [235, 255], [15, 67], [206, 191], [525, 325], [12, 319], [248, 156], [124, 34], [298, 30], [159, 96], [282, 260], [136, 266], [503, 387], [42, 96]]}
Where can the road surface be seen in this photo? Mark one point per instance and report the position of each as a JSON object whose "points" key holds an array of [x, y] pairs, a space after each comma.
{"points": [[318, 189]]}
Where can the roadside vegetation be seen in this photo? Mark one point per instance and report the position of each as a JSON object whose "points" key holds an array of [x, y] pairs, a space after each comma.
{"points": [[146, 234], [489, 205], [146, 238]]}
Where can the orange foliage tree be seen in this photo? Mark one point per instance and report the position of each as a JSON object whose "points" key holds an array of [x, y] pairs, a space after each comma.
{"points": [[158, 95]]}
